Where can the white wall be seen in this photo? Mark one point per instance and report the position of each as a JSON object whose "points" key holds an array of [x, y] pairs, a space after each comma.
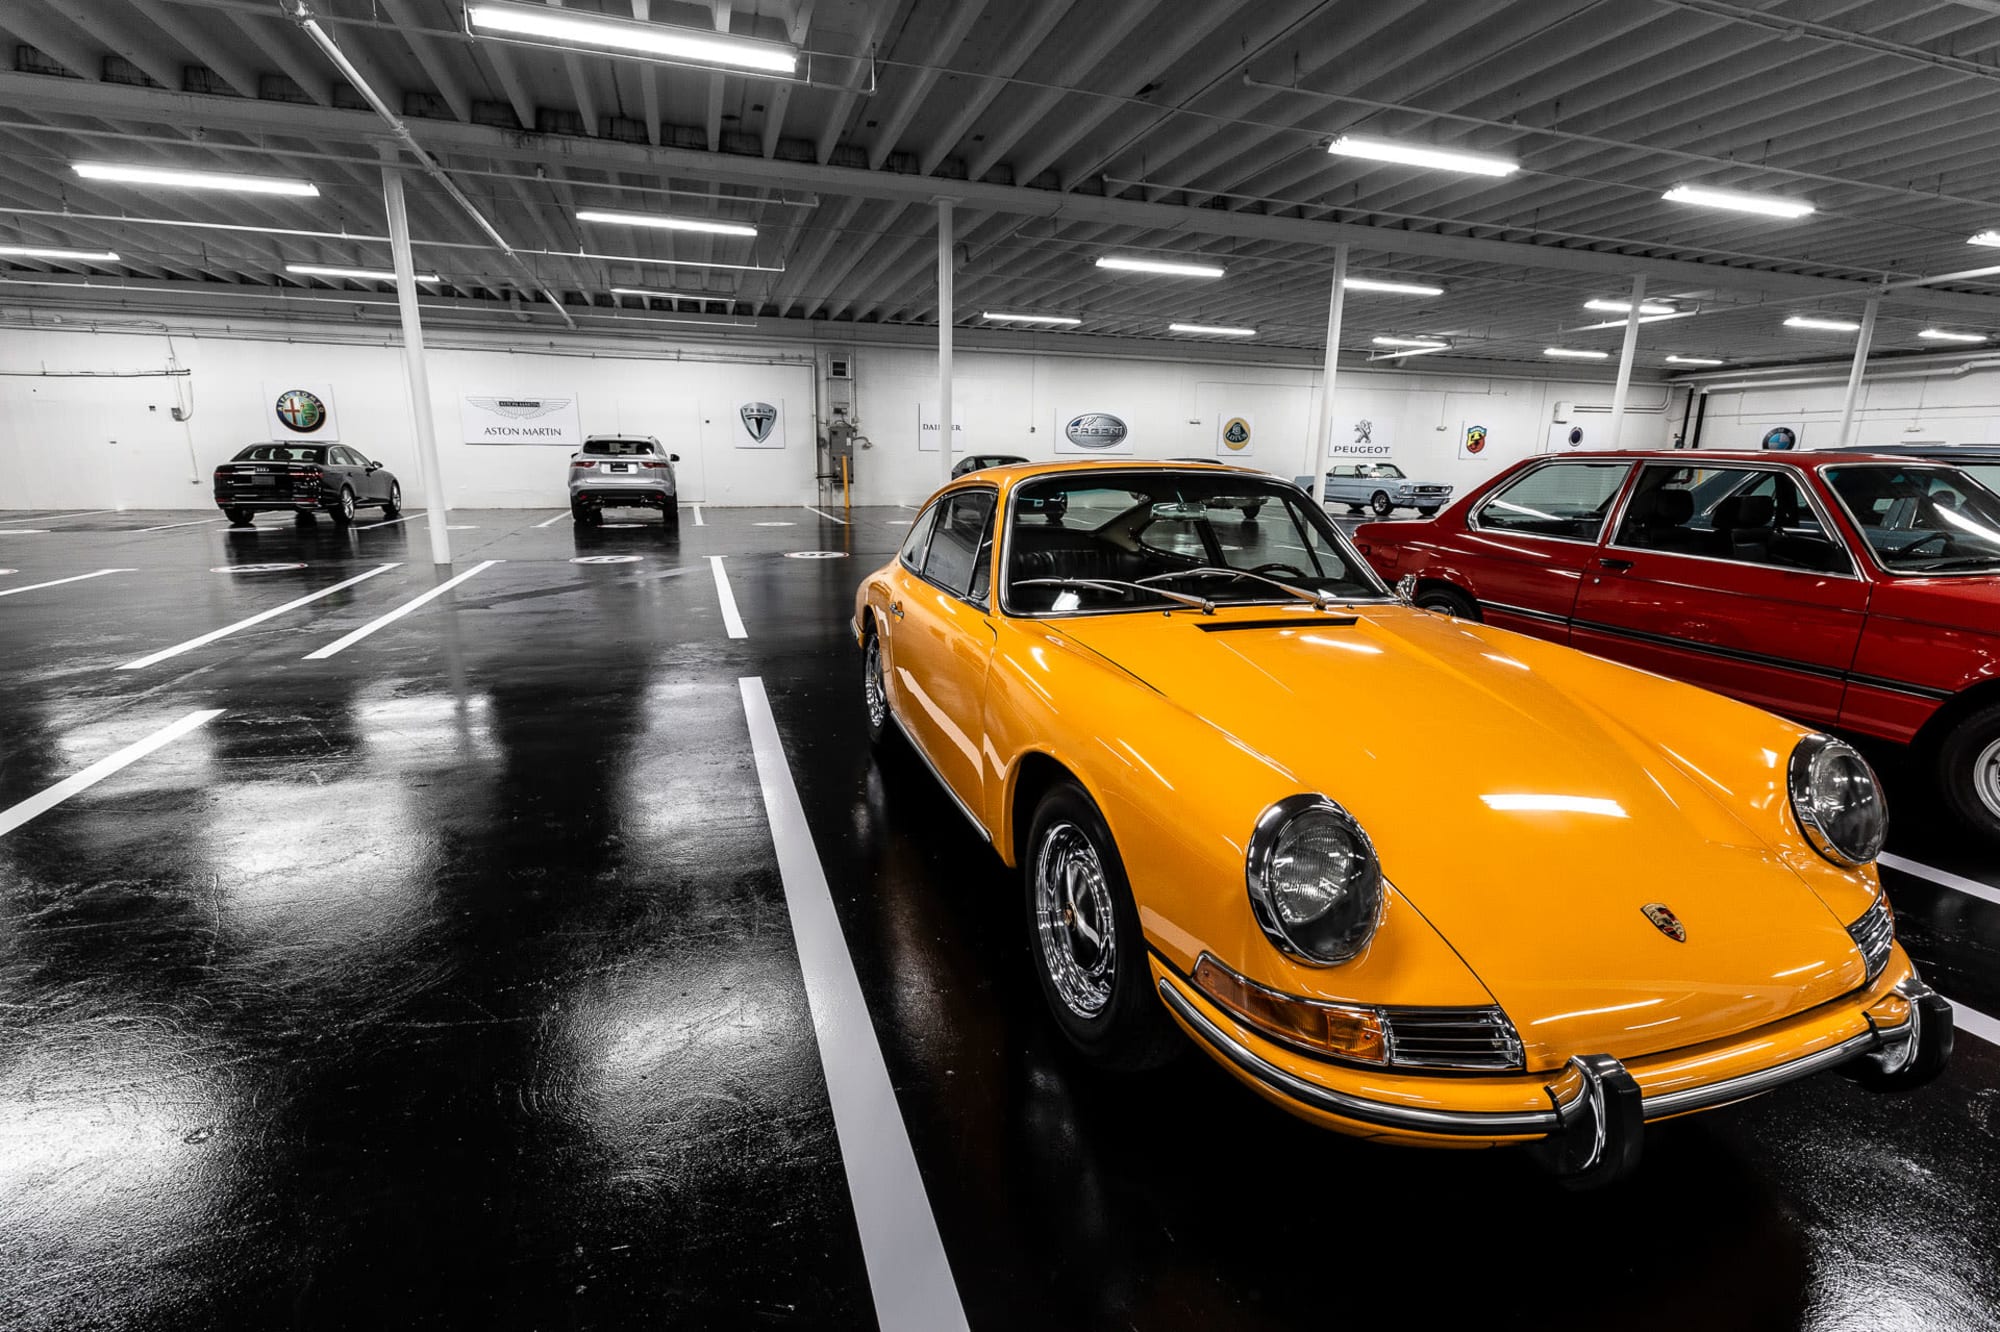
{"points": [[97, 442], [1946, 407]]}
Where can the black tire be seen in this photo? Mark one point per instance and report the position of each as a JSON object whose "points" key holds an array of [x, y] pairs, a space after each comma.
{"points": [[1379, 504], [1250, 513], [239, 517], [1104, 1001], [874, 691], [1427, 513], [343, 508], [1968, 771], [304, 518], [1354, 508], [1450, 600], [670, 519], [585, 515], [394, 508]]}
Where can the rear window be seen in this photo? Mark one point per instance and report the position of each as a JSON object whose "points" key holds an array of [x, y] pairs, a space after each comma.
{"points": [[283, 453], [618, 448]]}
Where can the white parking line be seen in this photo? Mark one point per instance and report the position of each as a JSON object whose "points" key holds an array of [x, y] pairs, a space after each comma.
{"points": [[81, 513], [227, 630], [168, 527], [730, 619], [699, 521], [824, 514], [350, 640], [908, 1274], [391, 522], [1943, 878], [60, 581], [1964, 1019], [37, 805], [553, 521]]}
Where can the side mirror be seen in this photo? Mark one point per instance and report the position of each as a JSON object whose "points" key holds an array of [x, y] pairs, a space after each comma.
{"points": [[374, 467], [1406, 589], [673, 457]]}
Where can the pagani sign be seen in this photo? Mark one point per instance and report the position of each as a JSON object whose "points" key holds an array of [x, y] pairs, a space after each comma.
{"points": [[1095, 432]]}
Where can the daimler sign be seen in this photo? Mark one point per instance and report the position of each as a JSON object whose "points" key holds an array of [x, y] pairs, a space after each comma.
{"points": [[1096, 430]]}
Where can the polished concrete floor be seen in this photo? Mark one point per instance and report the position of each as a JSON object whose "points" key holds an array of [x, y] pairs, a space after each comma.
{"points": [[451, 981]]}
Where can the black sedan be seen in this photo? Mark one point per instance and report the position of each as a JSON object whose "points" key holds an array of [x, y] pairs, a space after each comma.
{"points": [[305, 479]]}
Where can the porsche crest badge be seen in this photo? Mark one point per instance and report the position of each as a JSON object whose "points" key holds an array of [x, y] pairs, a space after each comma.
{"points": [[1665, 921]]}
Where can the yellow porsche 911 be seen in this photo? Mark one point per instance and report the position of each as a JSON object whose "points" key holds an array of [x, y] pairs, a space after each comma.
{"points": [[1410, 877]]}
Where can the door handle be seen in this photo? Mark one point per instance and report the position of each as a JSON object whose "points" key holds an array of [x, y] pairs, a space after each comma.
{"points": [[896, 609], [1616, 566]]}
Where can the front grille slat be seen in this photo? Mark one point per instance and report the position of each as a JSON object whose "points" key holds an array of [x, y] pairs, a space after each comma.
{"points": [[1476, 1039], [1874, 934]]}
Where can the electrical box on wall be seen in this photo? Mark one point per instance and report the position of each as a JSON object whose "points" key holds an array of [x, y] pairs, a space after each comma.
{"points": [[1564, 410], [840, 365]]}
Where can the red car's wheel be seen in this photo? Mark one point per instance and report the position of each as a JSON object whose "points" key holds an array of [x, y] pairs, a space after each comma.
{"points": [[1968, 771]]}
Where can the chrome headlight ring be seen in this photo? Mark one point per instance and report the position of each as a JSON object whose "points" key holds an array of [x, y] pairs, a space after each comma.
{"points": [[1315, 881], [1837, 801]]}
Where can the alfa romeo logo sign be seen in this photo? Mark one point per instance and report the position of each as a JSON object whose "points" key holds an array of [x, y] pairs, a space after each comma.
{"points": [[301, 411], [1096, 430], [758, 418], [1236, 434]]}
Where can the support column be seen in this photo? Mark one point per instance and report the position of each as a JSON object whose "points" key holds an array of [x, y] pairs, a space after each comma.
{"points": [[413, 364], [946, 435], [1619, 394], [1323, 428], [1848, 407]]}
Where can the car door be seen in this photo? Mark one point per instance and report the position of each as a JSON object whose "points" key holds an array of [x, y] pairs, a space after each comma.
{"points": [[371, 482], [941, 639], [341, 471], [1730, 577], [1526, 545]]}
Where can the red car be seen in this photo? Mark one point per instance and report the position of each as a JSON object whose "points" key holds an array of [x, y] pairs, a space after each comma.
{"points": [[1843, 590]]}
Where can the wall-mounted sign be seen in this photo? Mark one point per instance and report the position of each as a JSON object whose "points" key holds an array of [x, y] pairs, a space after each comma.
{"points": [[1783, 438], [1362, 437], [295, 409], [1564, 436], [521, 418], [927, 427], [1472, 442], [1236, 437], [1089, 433], [760, 424]]}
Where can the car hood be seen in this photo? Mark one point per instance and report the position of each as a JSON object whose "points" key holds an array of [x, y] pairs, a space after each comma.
{"points": [[1517, 804]]}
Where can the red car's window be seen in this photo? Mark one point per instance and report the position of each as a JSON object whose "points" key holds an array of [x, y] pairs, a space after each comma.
{"points": [[1747, 515], [1565, 500]]}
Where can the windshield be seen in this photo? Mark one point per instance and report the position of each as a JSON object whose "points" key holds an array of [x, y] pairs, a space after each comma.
{"points": [[1922, 519], [283, 453], [617, 448], [1189, 533]]}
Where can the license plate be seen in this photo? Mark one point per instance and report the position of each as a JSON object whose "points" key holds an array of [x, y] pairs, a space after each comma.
{"points": [[621, 467]]}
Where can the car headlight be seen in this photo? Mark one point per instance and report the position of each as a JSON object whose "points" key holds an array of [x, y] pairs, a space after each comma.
{"points": [[1837, 801], [1315, 882]]}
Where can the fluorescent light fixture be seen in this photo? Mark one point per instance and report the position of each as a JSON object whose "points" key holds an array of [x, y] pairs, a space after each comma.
{"points": [[1409, 342], [1694, 360], [357, 274], [646, 293], [539, 24], [1984, 238], [1429, 350], [1053, 321], [1625, 307], [1411, 154], [1161, 266], [195, 180], [1526, 803], [1823, 325], [663, 222], [44, 252], [1393, 288], [1212, 330], [1644, 319], [1575, 354], [1735, 201], [1946, 335]]}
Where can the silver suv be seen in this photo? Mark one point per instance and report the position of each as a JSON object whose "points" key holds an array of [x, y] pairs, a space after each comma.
{"points": [[623, 471]]}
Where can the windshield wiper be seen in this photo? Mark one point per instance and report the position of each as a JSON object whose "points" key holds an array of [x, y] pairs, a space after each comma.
{"points": [[1320, 600], [1202, 604]]}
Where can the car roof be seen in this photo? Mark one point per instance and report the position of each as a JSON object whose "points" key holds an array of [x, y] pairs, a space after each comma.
{"points": [[1811, 458]]}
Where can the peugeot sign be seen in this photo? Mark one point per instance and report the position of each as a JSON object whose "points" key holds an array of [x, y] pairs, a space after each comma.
{"points": [[1096, 430]]}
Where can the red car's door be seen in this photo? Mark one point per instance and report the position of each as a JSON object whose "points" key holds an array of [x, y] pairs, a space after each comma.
{"points": [[1526, 546], [1732, 578]]}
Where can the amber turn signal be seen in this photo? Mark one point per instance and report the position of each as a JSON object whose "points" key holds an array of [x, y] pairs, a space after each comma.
{"points": [[1344, 1030]]}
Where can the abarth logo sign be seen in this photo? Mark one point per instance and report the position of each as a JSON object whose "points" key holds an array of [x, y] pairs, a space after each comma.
{"points": [[1236, 433], [300, 411], [1096, 430], [1665, 921], [1475, 439], [758, 418]]}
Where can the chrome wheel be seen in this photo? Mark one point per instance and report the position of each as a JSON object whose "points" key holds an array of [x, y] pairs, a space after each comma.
{"points": [[1073, 920], [1986, 777], [871, 683]]}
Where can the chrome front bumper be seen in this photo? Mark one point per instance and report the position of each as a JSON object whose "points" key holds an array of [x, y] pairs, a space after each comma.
{"points": [[1596, 1109]]}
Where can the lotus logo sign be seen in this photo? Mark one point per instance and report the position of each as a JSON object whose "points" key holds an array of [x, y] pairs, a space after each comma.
{"points": [[1096, 431]]}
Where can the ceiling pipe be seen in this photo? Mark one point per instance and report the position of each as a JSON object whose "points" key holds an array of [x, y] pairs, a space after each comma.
{"points": [[301, 13]]}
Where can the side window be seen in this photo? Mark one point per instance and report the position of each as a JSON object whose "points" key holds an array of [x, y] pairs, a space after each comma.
{"points": [[338, 457], [1567, 500], [1747, 515], [912, 553], [960, 556]]}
